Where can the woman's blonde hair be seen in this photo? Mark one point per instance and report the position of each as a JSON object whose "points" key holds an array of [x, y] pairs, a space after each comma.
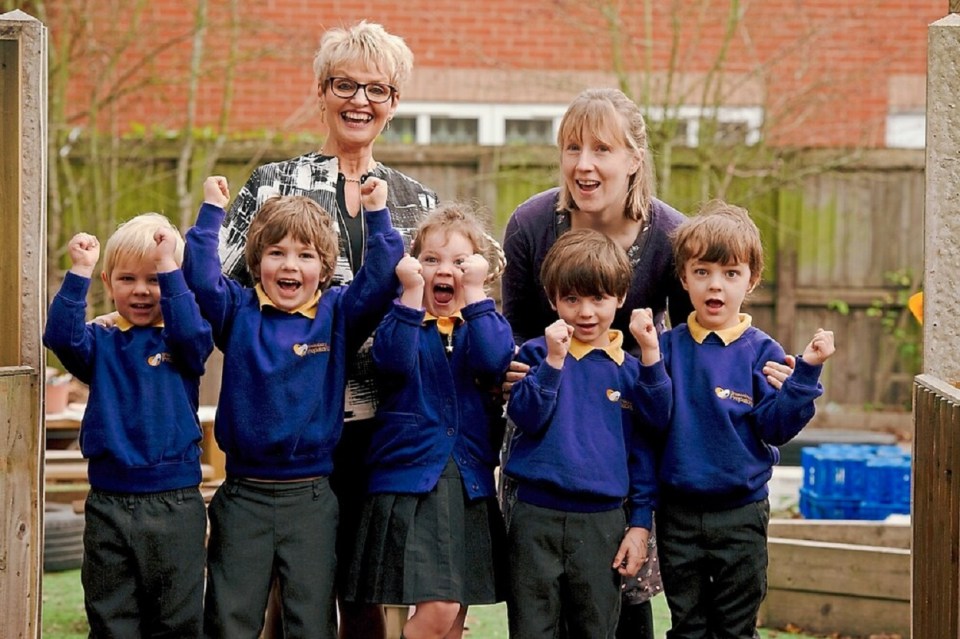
{"points": [[134, 240], [720, 233], [366, 43], [609, 115], [465, 219], [301, 218]]}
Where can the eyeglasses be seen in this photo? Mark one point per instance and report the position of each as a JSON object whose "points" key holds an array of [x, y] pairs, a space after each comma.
{"points": [[376, 92]]}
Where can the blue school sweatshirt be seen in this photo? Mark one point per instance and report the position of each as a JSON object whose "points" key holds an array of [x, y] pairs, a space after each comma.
{"points": [[280, 412], [581, 442], [432, 405], [140, 430], [721, 420]]}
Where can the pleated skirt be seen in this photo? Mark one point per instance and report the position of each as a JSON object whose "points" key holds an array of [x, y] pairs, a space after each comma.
{"points": [[434, 547]]}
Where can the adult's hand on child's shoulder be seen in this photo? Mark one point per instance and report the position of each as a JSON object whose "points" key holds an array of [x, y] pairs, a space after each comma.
{"points": [[216, 191], [517, 371], [373, 193], [108, 320], [778, 372], [820, 348], [84, 250]]}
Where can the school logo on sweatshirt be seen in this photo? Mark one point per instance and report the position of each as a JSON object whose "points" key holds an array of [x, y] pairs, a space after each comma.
{"points": [[158, 358], [311, 349], [726, 393]]}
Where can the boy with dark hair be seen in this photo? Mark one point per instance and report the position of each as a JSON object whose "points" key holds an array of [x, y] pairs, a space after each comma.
{"points": [[721, 423], [143, 539], [579, 451]]}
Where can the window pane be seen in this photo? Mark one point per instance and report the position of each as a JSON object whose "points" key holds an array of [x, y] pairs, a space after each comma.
{"points": [[453, 130], [401, 130], [528, 132]]}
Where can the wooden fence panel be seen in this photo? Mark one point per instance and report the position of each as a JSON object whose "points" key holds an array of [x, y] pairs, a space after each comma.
{"points": [[936, 509], [831, 238]]}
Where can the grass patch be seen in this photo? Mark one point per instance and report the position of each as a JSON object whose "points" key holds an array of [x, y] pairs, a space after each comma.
{"points": [[64, 617], [490, 622], [63, 614]]}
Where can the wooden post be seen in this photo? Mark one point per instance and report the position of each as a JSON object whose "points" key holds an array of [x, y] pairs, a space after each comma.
{"points": [[23, 119], [936, 405]]}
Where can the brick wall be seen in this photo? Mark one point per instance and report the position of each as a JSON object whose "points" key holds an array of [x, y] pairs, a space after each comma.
{"points": [[829, 71]]}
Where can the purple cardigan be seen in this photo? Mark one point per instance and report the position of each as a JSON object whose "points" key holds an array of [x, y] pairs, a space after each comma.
{"points": [[532, 230]]}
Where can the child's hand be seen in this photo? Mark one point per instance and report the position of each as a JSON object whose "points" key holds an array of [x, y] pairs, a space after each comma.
{"points": [[820, 348], [558, 337], [644, 331], [216, 191], [373, 194], [409, 272], [632, 552], [165, 250], [84, 250], [474, 269]]}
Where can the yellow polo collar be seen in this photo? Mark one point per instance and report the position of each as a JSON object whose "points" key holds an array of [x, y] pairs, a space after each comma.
{"points": [[579, 350], [727, 335], [308, 309], [444, 324], [125, 325]]}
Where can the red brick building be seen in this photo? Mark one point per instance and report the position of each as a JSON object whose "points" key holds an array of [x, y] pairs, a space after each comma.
{"points": [[840, 73]]}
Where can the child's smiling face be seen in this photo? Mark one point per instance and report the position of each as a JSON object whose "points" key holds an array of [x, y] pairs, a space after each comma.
{"points": [[135, 290], [290, 272], [441, 255]]}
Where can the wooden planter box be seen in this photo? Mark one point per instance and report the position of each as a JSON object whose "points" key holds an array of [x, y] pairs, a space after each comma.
{"points": [[846, 577]]}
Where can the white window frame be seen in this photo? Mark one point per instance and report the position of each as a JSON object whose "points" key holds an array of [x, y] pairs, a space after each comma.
{"points": [[906, 130], [491, 118]]}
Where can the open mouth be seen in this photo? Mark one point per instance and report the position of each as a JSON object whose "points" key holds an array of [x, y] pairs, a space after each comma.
{"points": [[141, 306], [289, 286], [442, 293], [352, 117], [588, 185], [714, 304]]}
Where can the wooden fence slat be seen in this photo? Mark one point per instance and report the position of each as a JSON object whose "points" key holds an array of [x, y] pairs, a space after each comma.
{"points": [[936, 509]]}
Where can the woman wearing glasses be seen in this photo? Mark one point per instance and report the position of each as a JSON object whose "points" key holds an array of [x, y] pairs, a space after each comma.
{"points": [[359, 72]]}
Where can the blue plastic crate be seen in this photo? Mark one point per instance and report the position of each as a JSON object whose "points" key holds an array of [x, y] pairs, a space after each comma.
{"points": [[813, 506], [850, 481], [888, 480]]}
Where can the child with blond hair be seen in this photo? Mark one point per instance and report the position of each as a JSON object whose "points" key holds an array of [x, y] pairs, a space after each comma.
{"points": [[145, 520]]}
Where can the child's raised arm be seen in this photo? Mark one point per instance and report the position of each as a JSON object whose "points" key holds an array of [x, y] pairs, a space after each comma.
{"points": [[557, 336], [644, 331], [409, 272], [216, 191], [820, 348], [84, 250], [165, 250], [373, 194], [473, 273]]}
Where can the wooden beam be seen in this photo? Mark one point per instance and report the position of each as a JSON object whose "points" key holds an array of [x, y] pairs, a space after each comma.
{"points": [[936, 509], [10, 201]]}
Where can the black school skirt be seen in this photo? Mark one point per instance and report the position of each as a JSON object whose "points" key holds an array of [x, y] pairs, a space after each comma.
{"points": [[434, 547]]}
